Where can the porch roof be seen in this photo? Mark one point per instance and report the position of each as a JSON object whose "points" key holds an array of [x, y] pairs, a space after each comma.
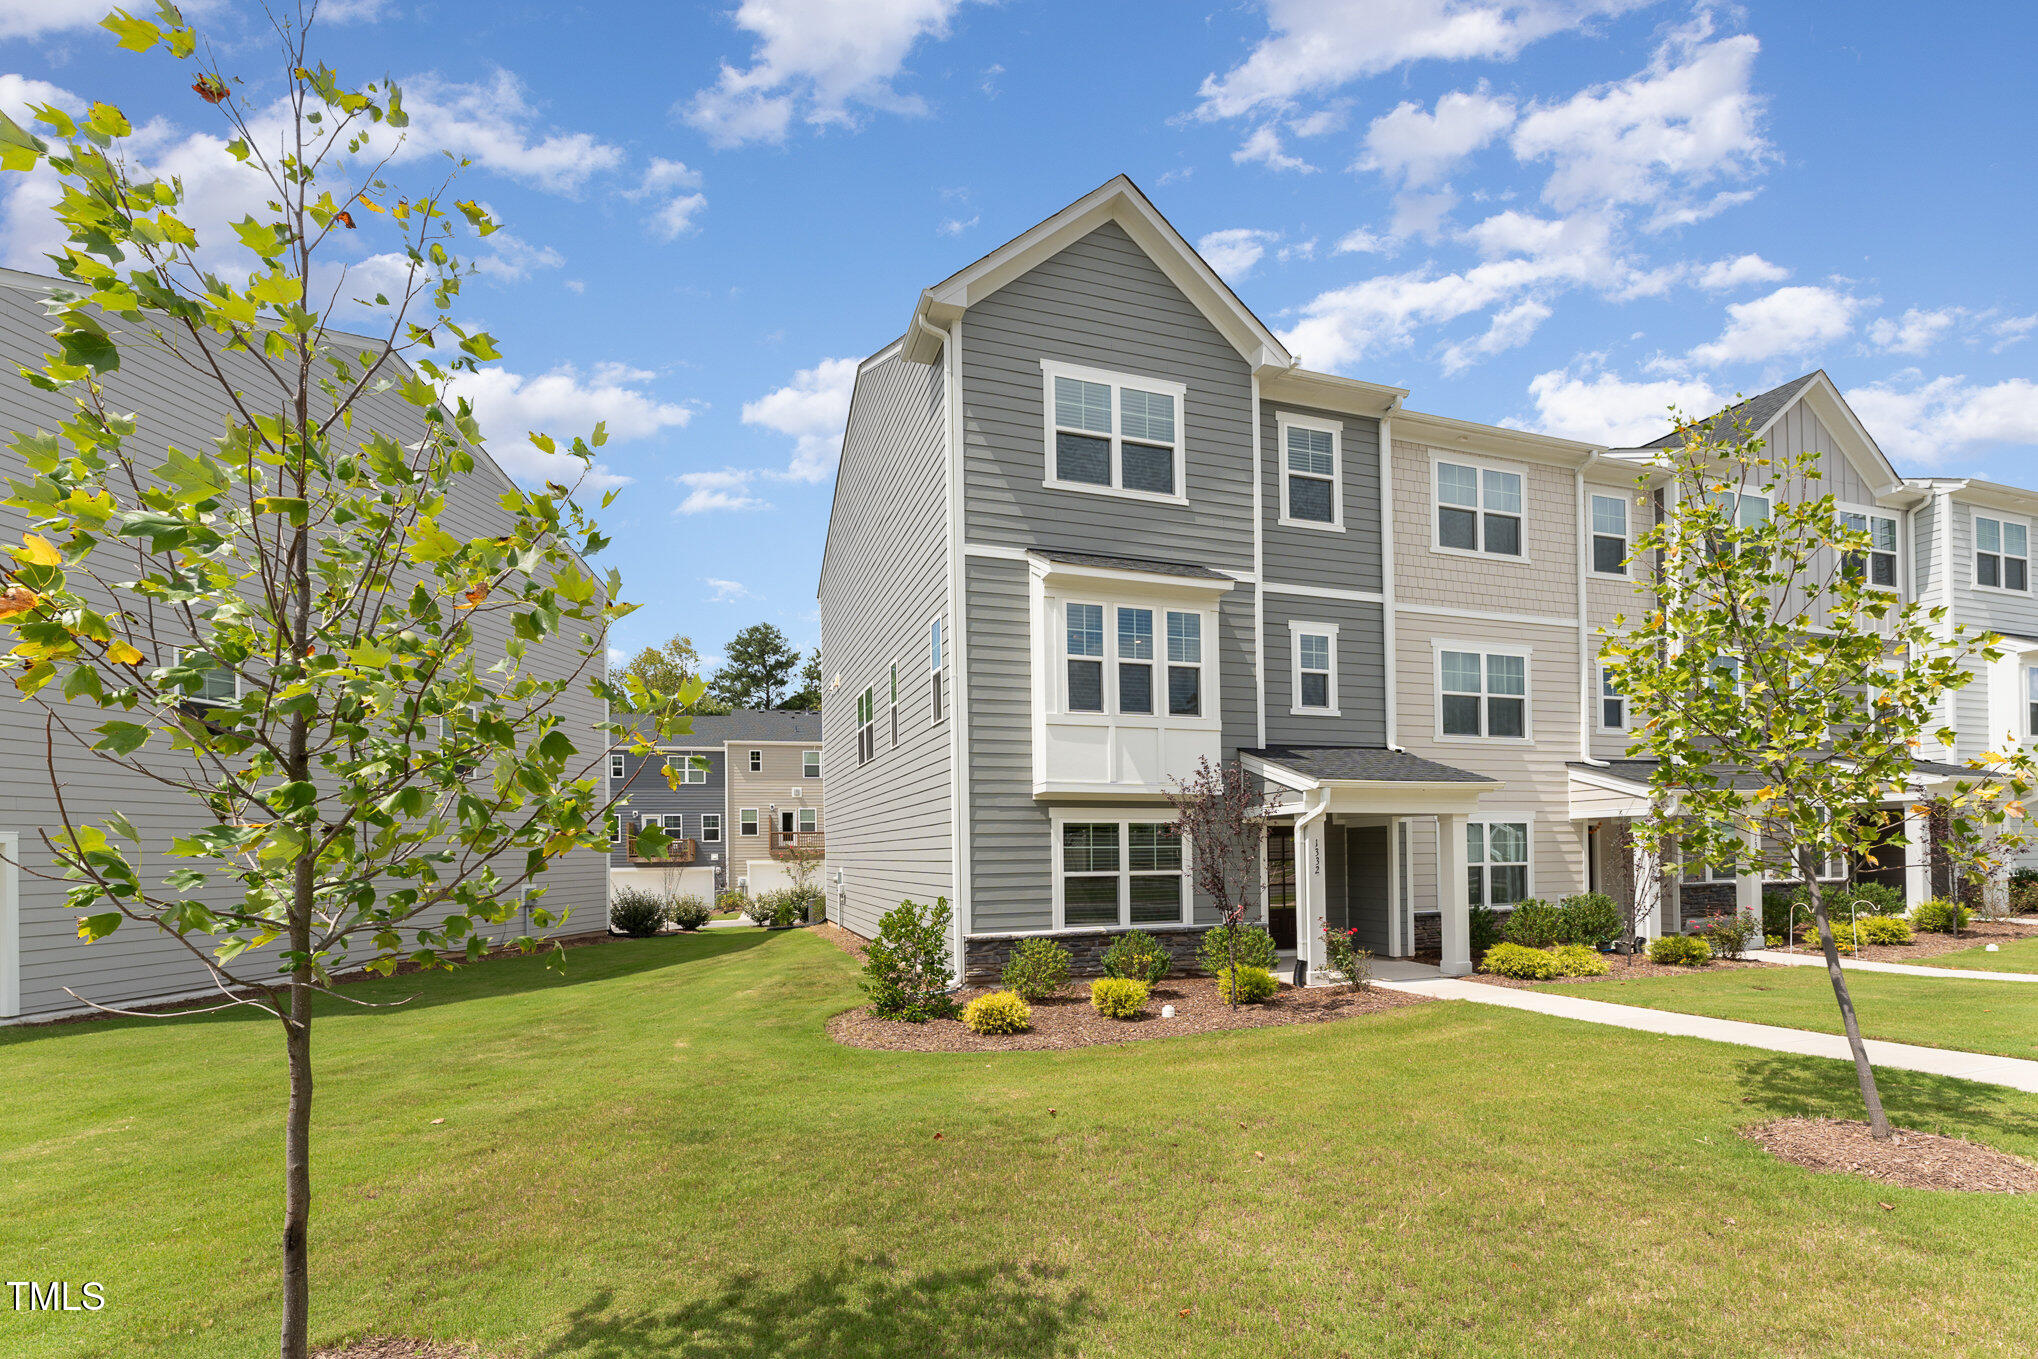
{"points": [[1620, 788], [1370, 779]]}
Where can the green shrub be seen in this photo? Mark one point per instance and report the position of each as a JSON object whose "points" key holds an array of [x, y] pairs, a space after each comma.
{"points": [[1589, 918], [1726, 935], [1533, 924], [1680, 950], [1037, 969], [730, 900], [1939, 916], [998, 1012], [1484, 930], [1519, 960], [1246, 986], [637, 914], [1846, 901], [690, 913], [2023, 892], [1576, 960], [1118, 997], [1254, 948], [905, 969], [1138, 956], [1774, 940], [786, 906], [1343, 956], [1883, 929]]}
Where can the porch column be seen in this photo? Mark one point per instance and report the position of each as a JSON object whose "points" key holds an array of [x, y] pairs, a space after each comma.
{"points": [[1454, 897], [1917, 855], [1748, 886], [1311, 892]]}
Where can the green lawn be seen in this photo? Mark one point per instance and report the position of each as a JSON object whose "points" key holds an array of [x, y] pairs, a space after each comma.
{"points": [[661, 1153], [2021, 956], [1975, 1016]]}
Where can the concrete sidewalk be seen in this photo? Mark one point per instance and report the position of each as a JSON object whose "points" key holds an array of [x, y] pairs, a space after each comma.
{"points": [[1772, 955], [2014, 1072]]}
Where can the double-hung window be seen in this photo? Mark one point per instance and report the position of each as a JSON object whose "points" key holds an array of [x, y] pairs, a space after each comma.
{"points": [[895, 705], [1113, 432], [1135, 660], [1609, 535], [1876, 566], [2002, 553], [1483, 694], [1119, 873], [619, 826], [687, 769], [746, 821], [1311, 458], [809, 820], [810, 764], [1497, 862], [934, 668], [1315, 668], [218, 684], [757, 762], [866, 726], [711, 828], [616, 770], [1613, 704], [1478, 509], [1185, 664], [1086, 658]]}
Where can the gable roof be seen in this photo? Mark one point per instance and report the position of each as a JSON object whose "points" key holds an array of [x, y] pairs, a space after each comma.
{"points": [[1757, 412], [1117, 200], [1760, 413]]}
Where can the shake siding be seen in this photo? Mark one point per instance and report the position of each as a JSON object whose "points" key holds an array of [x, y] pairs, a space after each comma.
{"points": [[772, 787], [884, 579], [138, 962], [1607, 599], [1545, 583], [1308, 556], [648, 793]]}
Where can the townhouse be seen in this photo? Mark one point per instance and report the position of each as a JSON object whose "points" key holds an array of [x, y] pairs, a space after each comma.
{"points": [[1094, 524], [743, 799]]}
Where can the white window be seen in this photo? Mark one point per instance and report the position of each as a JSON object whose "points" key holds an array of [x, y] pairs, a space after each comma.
{"points": [[746, 821], [687, 768], [1113, 432], [2031, 702], [1478, 509], [1085, 658], [934, 667], [1123, 644], [675, 824], [218, 684], [1742, 509], [1185, 664], [2002, 553], [1613, 704], [1482, 693], [866, 727], [1877, 566], [1609, 535], [1315, 665], [895, 705], [1497, 862], [1312, 485], [810, 764], [619, 826], [711, 828], [757, 762], [616, 765], [1119, 873], [810, 820], [1135, 660]]}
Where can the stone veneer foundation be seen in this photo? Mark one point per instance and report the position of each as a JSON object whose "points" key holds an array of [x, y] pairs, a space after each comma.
{"points": [[984, 956]]}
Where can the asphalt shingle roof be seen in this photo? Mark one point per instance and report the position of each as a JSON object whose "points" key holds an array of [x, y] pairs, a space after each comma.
{"points": [[1363, 764], [1755, 412], [745, 724]]}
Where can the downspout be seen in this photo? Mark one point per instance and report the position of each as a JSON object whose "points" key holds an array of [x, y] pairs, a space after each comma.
{"points": [[1942, 511], [1391, 714]]}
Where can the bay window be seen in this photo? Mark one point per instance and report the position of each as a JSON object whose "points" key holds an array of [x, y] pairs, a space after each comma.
{"points": [[1086, 658], [1120, 873], [1483, 694], [1478, 509], [1135, 660], [2002, 553], [1497, 859], [1113, 432], [1185, 664]]}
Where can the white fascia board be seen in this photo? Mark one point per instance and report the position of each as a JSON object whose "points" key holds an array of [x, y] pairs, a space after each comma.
{"points": [[1064, 574], [1468, 436]]}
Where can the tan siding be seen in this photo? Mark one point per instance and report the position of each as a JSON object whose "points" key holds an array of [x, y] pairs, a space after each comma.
{"points": [[779, 784], [1544, 583]]}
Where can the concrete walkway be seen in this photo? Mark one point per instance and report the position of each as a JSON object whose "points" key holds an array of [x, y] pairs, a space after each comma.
{"points": [[2014, 1072], [1772, 955]]}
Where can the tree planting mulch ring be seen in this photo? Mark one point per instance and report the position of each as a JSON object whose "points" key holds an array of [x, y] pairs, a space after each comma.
{"points": [[1914, 1160], [1641, 967], [393, 1347], [1069, 1022]]}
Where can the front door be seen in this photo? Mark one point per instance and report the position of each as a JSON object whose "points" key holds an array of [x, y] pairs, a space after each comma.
{"points": [[1281, 886]]}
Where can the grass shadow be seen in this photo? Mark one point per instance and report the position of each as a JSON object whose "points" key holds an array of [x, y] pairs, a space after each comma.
{"points": [[1778, 1085], [862, 1309]]}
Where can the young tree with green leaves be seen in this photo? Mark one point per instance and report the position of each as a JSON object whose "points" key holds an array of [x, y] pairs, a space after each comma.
{"points": [[1783, 694], [368, 709], [757, 668], [668, 670]]}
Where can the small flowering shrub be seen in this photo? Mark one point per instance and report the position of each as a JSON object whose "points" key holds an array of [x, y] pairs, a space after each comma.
{"points": [[1680, 950], [1138, 956], [730, 901], [1726, 935], [905, 969], [1352, 964], [1118, 997], [999, 1012], [1246, 986], [637, 914]]}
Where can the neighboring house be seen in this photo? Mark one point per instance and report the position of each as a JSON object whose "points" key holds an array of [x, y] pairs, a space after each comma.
{"points": [[745, 795], [40, 953], [1094, 524]]}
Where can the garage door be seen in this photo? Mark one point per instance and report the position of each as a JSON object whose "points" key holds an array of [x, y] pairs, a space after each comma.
{"points": [[768, 875]]}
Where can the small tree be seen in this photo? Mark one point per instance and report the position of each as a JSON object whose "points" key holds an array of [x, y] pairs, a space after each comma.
{"points": [[1635, 882], [1783, 694], [288, 626], [757, 668], [665, 672], [1223, 815]]}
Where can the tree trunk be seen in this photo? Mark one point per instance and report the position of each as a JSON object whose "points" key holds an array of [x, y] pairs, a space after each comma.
{"points": [[1878, 1122], [297, 1178]]}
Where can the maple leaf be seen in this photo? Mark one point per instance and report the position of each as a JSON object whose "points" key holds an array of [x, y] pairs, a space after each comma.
{"points": [[18, 599], [210, 88]]}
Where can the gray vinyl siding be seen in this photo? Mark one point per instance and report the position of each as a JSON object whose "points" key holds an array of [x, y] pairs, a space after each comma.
{"points": [[1925, 549], [1010, 848], [1348, 560], [646, 793], [884, 580], [1361, 673], [137, 962]]}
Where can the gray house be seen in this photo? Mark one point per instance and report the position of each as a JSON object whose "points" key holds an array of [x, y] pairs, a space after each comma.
{"points": [[40, 953]]}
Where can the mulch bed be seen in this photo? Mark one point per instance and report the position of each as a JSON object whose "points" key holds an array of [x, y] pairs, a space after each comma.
{"points": [[1069, 1022], [391, 1347], [851, 944], [1641, 967], [1929, 945], [1914, 1160]]}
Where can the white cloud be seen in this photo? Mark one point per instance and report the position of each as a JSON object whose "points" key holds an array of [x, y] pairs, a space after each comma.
{"points": [[564, 403], [728, 489], [1316, 45], [1688, 119], [1790, 321], [726, 591], [1264, 146], [1722, 275], [1601, 408], [675, 216], [511, 257], [955, 226], [1359, 241], [352, 11], [1926, 421], [817, 60], [493, 124], [35, 18], [2012, 330], [811, 410], [1915, 331], [1421, 214], [1234, 251], [1510, 329], [1420, 148]]}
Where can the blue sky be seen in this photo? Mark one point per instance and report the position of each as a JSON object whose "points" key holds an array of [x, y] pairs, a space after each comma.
{"points": [[1560, 214]]}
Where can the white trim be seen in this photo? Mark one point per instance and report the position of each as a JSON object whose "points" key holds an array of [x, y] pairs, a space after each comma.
{"points": [[617, 768], [755, 759], [1283, 422], [1600, 699], [706, 838], [1488, 820], [1388, 641], [1052, 369], [1000, 551], [1873, 512], [1122, 817], [755, 821], [1324, 592], [1592, 534], [1479, 511], [1485, 651], [1533, 619], [1581, 501], [1069, 576], [1998, 517], [1297, 629]]}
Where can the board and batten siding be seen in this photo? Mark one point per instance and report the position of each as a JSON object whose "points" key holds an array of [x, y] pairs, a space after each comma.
{"points": [[137, 962], [884, 581]]}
